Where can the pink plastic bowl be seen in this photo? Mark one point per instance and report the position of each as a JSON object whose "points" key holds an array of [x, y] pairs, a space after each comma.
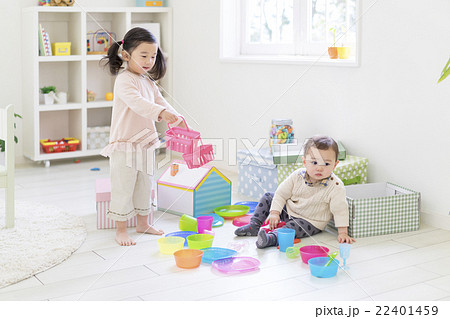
{"points": [[308, 252]]}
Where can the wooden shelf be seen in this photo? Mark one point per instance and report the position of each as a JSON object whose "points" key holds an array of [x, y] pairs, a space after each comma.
{"points": [[75, 73]]}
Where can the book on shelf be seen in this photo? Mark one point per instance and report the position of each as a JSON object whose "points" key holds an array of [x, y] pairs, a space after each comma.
{"points": [[45, 48]]}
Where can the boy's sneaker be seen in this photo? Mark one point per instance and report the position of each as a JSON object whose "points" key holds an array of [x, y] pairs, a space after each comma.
{"points": [[266, 240], [247, 230]]}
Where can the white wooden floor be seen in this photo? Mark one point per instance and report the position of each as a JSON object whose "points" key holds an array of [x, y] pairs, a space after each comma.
{"points": [[408, 266]]}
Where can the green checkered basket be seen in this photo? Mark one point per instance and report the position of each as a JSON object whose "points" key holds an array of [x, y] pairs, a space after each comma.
{"points": [[381, 208], [352, 170]]}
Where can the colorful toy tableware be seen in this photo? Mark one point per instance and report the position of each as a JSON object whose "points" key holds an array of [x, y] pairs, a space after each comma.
{"points": [[215, 253], [245, 220], [200, 241], [187, 223], [318, 267], [292, 252], [169, 245], [312, 251], [229, 211], [188, 258], [217, 220], [296, 241], [204, 223], [344, 252], [285, 238], [331, 256], [251, 205], [183, 234], [209, 232], [235, 265]]}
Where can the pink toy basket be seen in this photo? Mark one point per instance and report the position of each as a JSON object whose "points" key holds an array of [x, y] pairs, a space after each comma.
{"points": [[188, 142], [182, 140], [199, 157]]}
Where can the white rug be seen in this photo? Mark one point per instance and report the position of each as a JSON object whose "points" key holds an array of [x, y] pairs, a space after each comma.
{"points": [[43, 237]]}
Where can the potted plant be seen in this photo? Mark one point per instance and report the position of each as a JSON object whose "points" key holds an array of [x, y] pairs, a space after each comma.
{"points": [[332, 51], [445, 72], [49, 94]]}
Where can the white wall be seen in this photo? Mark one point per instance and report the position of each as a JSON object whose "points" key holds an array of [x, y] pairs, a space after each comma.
{"points": [[389, 109]]}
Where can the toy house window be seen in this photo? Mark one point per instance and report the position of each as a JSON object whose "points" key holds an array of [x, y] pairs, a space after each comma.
{"points": [[296, 28]]}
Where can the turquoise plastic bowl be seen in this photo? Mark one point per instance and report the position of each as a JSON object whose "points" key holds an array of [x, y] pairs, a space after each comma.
{"points": [[318, 269]]}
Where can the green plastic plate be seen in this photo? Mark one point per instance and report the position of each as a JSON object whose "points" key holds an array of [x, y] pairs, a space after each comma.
{"points": [[231, 210]]}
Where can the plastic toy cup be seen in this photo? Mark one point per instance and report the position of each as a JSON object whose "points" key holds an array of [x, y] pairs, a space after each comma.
{"points": [[344, 252], [311, 251], [204, 223], [187, 223], [200, 241], [188, 258], [319, 270], [169, 245], [285, 238]]}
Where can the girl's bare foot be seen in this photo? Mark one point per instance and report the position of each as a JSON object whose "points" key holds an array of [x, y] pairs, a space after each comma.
{"points": [[143, 226], [122, 237]]}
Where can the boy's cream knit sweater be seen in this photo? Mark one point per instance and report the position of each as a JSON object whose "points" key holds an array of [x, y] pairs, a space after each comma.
{"points": [[316, 203]]}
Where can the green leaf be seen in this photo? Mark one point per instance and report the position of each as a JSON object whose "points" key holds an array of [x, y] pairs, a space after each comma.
{"points": [[445, 71]]}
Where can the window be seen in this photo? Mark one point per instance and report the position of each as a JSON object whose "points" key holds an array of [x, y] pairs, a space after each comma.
{"points": [[287, 29]]}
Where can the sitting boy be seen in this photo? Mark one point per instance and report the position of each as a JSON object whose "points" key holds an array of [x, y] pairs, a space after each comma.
{"points": [[306, 200]]}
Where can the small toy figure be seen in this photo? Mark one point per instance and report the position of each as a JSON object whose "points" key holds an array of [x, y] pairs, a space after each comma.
{"points": [[174, 169], [90, 96]]}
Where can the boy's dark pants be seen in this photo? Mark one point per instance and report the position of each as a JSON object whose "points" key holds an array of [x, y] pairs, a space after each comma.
{"points": [[302, 227]]}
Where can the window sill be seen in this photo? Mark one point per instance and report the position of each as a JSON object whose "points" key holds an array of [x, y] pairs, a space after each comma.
{"points": [[285, 59]]}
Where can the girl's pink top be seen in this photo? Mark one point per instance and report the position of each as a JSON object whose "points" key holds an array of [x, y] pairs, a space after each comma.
{"points": [[137, 105]]}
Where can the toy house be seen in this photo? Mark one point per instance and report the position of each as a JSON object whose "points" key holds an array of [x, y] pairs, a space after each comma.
{"points": [[192, 191]]}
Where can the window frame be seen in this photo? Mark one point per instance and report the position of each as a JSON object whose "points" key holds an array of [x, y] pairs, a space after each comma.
{"points": [[232, 34]]}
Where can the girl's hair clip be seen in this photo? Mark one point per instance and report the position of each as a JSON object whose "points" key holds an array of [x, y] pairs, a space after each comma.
{"points": [[123, 42]]}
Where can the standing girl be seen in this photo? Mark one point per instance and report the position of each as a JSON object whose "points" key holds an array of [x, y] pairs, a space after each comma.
{"points": [[137, 105]]}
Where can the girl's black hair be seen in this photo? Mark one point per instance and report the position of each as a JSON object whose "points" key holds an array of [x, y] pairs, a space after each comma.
{"points": [[132, 39]]}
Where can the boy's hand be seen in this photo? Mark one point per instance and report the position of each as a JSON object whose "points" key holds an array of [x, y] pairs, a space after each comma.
{"points": [[168, 116], [343, 236], [274, 219]]}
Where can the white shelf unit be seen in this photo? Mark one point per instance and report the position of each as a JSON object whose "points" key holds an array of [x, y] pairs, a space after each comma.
{"points": [[76, 73]]}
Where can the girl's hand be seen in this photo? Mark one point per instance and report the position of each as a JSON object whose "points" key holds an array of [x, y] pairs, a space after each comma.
{"points": [[274, 219], [168, 116]]}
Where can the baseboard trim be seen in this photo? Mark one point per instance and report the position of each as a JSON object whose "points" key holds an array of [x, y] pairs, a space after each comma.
{"points": [[438, 221]]}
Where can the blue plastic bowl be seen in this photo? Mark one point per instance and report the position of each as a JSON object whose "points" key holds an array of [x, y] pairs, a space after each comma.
{"points": [[318, 269]]}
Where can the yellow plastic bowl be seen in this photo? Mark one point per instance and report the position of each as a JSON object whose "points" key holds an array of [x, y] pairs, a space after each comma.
{"points": [[169, 245], [200, 241], [188, 258]]}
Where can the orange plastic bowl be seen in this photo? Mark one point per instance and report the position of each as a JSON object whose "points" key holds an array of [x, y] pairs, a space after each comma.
{"points": [[188, 258]]}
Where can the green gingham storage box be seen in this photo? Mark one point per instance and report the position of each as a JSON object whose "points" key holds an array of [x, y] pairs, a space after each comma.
{"points": [[381, 208], [352, 170]]}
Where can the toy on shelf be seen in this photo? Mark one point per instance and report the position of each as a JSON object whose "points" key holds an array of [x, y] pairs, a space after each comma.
{"points": [[65, 145], [61, 48], [109, 96], [44, 3], [98, 42], [62, 3], [91, 96]]}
